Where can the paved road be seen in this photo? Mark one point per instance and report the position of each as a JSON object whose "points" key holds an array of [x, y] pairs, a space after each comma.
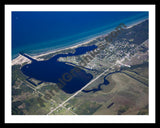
{"points": [[77, 92]]}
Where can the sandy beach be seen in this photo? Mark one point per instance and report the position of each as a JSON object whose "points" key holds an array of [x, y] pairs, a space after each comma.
{"points": [[136, 23], [21, 59]]}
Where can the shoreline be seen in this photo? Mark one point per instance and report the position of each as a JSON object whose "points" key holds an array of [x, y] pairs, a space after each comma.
{"points": [[136, 23], [19, 60]]}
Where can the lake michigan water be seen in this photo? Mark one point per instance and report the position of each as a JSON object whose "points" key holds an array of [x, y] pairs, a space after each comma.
{"points": [[38, 32]]}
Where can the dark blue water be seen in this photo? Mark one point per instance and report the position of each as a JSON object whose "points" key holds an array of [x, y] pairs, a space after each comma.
{"points": [[36, 32], [106, 82], [51, 71]]}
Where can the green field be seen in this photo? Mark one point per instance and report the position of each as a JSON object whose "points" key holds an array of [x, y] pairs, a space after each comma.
{"points": [[28, 99], [126, 94]]}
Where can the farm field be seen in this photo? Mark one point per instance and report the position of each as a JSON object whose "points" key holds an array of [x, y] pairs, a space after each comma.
{"points": [[124, 95]]}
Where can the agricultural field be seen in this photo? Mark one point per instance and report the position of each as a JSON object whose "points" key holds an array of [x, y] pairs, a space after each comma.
{"points": [[124, 95], [28, 99]]}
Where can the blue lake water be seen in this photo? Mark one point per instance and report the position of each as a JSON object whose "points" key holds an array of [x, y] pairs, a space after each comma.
{"points": [[51, 71], [105, 82], [37, 32]]}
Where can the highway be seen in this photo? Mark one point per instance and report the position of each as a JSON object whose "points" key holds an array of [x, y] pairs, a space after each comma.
{"points": [[77, 92]]}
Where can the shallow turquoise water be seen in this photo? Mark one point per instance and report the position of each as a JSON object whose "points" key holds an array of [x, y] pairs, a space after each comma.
{"points": [[38, 32]]}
